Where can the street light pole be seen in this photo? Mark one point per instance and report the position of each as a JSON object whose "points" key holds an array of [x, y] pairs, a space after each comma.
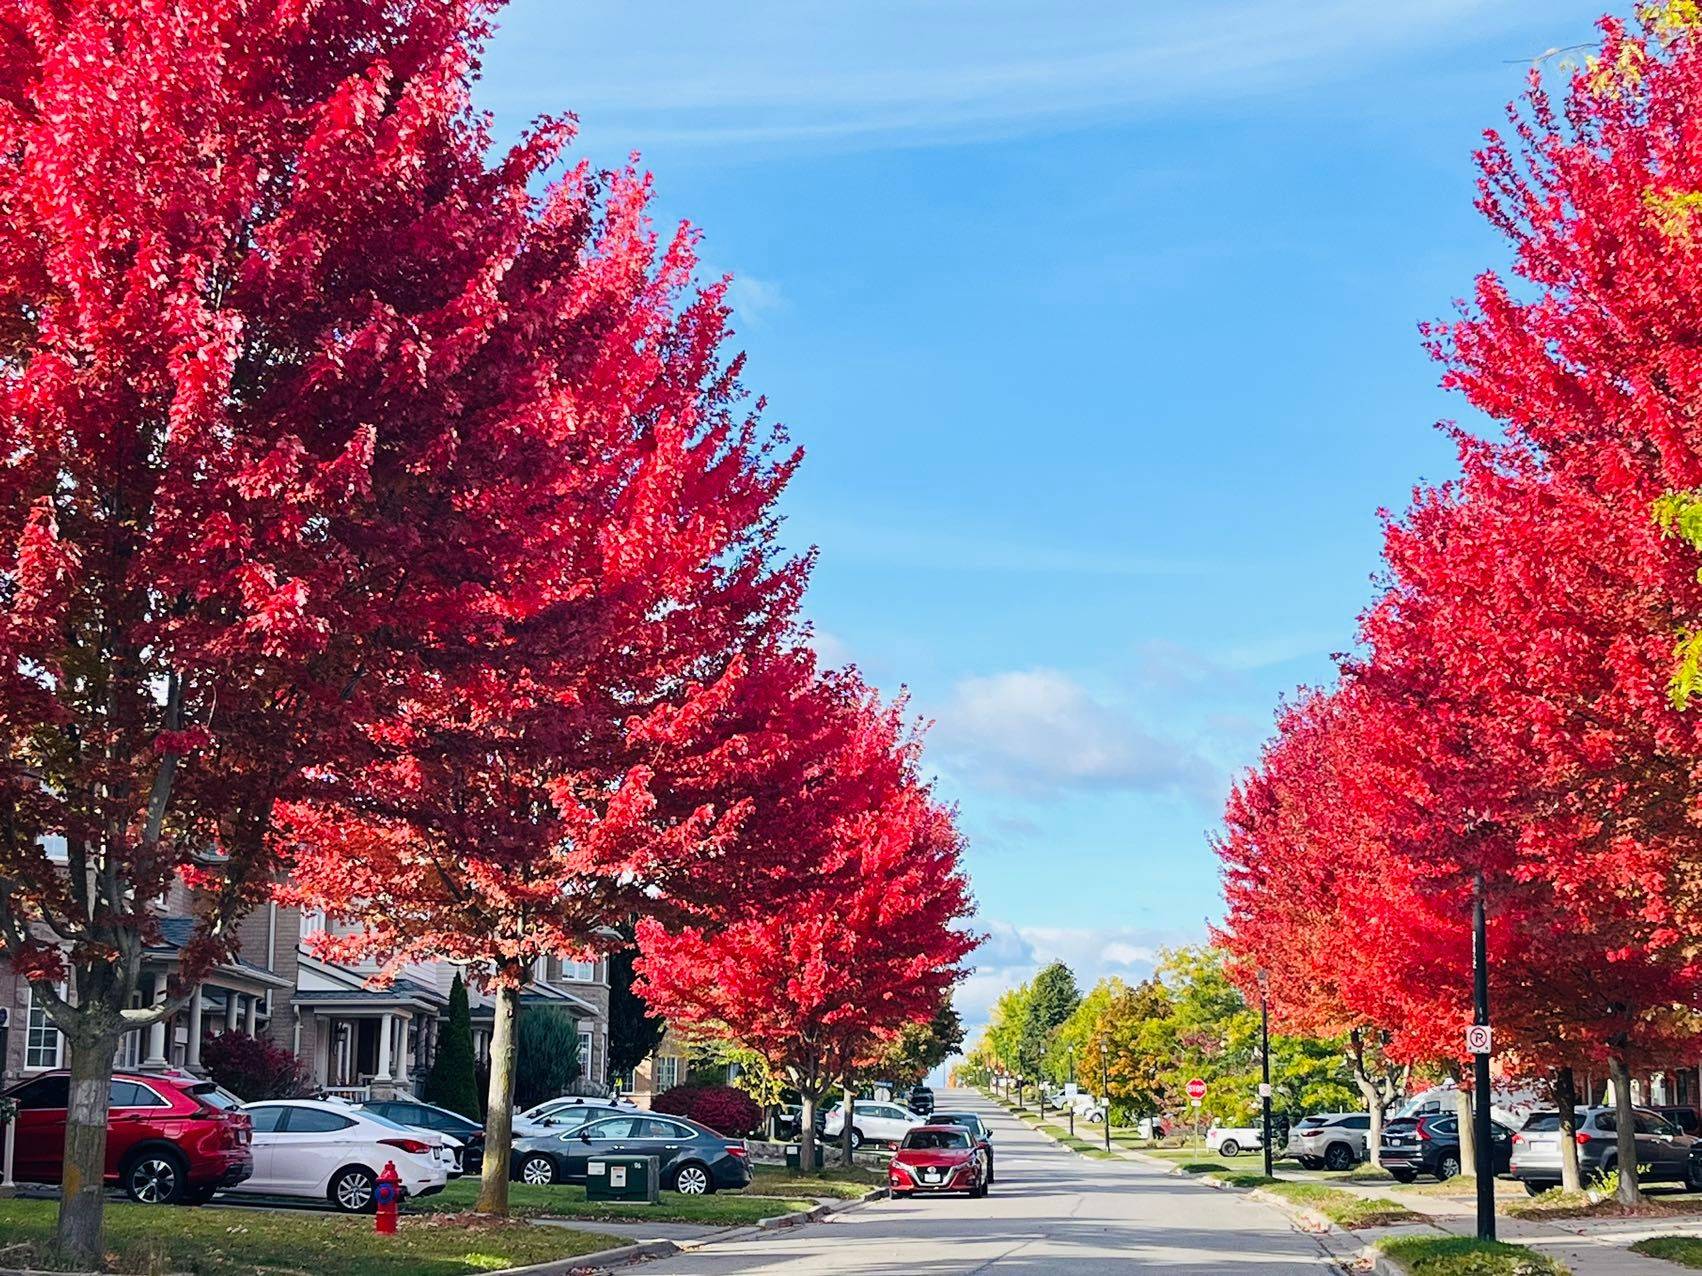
{"points": [[1105, 1093], [1265, 1062], [1069, 1094], [1480, 1075]]}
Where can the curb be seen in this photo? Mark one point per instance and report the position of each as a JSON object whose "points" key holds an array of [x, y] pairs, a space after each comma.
{"points": [[1381, 1263], [619, 1256]]}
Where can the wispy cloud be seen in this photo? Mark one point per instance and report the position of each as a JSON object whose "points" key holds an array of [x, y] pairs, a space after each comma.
{"points": [[904, 70], [1038, 732]]}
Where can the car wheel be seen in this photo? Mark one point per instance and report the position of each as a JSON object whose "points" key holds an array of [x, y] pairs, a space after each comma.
{"points": [[1229, 1147], [1403, 1176], [1448, 1166], [1693, 1176], [537, 1171], [856, 1138], [157, 1178], [1533, 1188], [1338, 1156], [352, 1191], [693, 1180]]}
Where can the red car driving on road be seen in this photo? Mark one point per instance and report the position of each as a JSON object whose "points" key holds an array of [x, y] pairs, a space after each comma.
{"points": [[937, 1158], [170, 1138]]}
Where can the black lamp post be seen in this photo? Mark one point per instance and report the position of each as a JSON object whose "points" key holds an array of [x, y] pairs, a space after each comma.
{"points": [[1105, 1093], [1480, 1073], [1069, 1094], [1265, 1064]]}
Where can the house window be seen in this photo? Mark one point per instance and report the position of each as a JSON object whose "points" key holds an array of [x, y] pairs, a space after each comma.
{"points": [[667, 1072], [42, 1048], [585, 1068], [583, 972]]}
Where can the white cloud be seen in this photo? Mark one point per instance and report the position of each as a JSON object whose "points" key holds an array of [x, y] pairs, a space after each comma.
{"points": [[903, 71], [831, 649], [1038, 731], [754, 300]]}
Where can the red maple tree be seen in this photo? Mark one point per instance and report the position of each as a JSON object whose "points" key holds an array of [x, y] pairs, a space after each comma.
{"points": [[863, 932], [286, 360]]}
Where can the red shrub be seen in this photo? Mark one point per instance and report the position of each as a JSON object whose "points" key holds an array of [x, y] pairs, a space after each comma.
{"points": [[723, 1108], [252, 1068]]}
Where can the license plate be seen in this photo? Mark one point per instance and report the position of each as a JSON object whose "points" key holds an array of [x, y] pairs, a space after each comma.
{"points": [[930, 1176]]}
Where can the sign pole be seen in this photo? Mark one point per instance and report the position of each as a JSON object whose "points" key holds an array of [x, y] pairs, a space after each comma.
{"points": [[1265, 1082], [1480, 1076]]}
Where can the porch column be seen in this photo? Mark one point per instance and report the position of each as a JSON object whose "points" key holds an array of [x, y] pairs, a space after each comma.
{"points": [[402, 1024], [192, 1051], [156, 1030], [382, 1073], [230, 1010], [248, 1014]]}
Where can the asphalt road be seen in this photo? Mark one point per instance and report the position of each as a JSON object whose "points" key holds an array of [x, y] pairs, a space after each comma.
{"points": [[1049, 1211]]}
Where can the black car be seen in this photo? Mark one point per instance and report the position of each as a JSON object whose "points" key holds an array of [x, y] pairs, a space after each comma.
{"points": [[426, 1116], [920, 1100], [788, 1121], [1685, 1118], [1430, 1144], [978, 1131], [691, 1159]]}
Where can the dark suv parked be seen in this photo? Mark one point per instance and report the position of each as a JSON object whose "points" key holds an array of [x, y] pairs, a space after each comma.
{"points": [[1430, 1144], [426, 1116], [170, 1138], [920, 1100]]}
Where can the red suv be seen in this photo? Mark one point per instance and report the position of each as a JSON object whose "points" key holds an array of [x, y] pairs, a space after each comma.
{"points": [[170, 1138]]}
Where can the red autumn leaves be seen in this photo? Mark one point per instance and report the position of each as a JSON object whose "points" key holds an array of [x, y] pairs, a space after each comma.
{"points": [[1508, 710], [387, 513]]}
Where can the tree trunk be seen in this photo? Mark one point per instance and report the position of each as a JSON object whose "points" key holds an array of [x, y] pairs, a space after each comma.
{"points": [[82, 1200], [1464, 1118], [845, 1152], [1630, 1193], [807, 1132], [499, 1106], [1566, 1099]]}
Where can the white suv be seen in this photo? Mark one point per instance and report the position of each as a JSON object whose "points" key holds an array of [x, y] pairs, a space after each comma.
{"points": [[873, 1122]]}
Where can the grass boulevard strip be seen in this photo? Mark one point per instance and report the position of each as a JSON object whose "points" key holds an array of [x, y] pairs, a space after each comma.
{"points": [[437, 1236]]}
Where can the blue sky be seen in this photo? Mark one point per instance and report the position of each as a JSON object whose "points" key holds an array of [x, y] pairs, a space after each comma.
{"points": [[1098, 324]]}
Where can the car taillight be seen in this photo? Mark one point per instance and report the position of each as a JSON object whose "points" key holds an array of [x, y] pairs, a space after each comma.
{"points": [[738, 1150], [1581, 1138], [1518, 1138], [412, 1146], [1421, 1132]]}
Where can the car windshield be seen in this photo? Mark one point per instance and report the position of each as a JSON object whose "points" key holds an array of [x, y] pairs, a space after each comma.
{"points": [[214, 1097], [936, 1140]]}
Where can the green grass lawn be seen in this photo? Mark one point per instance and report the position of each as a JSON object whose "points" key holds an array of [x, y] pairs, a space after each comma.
{"points": [[835, 1180], [1686, 1251], [1463, 1256], [564, 1200], [215, 1241], [1344, 1209]]}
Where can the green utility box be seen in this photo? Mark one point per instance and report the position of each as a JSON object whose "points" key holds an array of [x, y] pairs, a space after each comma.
{"points": [[621, 1178], [795, 1157]]}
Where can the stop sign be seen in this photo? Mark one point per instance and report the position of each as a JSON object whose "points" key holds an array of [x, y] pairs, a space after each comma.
{"points": [[1196, 1089]]}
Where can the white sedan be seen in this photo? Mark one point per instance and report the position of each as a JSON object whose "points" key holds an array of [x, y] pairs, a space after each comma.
{"points": [[872, 1122], [332, 1152]]}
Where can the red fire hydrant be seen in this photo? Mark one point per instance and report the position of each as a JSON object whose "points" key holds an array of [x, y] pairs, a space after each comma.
{"points": [[385, 1197]]}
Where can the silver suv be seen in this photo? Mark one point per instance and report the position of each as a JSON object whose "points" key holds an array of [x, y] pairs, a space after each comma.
{"points": [[1330, 1140], [1664, 1152]]}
